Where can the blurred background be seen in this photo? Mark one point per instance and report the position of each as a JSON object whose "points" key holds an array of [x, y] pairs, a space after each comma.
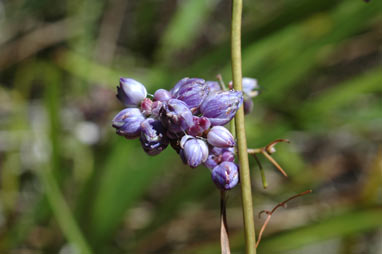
{"points": [[68, 184]]}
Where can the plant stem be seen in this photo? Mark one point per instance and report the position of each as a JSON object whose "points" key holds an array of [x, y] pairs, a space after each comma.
{"points": [[246, 193]]}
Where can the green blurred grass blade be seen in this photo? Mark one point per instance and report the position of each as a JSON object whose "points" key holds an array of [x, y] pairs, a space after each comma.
{"points": [[337, 226], [185, 25], [67, 223], [286, 57], [51, 78], [348, 223], [127, 174], [334, 98], [62, 212], [194, 188]]}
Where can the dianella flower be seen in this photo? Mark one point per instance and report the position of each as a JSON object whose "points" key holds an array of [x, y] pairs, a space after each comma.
{"points": [[251, 90], [201, 124], [183, 82], [225, 175], [128, 122], [220, 136], [131, 92], [221, 106], [162, 95], [192, 92], [153, 136], [250, 87], [218, 155], [195, 150], [213, 86], [146, 106], [176, 116]]}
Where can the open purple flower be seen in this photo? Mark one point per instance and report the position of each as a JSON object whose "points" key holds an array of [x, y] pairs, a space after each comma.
{"points": [[225, 175], [131, 92], [221, 106], [128, 122]]}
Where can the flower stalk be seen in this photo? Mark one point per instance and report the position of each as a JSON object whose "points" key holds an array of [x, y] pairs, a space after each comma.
{"points": [[246, 192]]}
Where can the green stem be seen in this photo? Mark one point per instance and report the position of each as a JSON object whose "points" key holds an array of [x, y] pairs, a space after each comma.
{"points": [[246, 193]]}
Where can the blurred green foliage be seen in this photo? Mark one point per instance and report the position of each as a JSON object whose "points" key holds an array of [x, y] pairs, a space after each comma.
{"points": [[68, 184]]}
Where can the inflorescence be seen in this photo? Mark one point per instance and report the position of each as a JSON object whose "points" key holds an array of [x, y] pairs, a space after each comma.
{"points": [[191, 118]]}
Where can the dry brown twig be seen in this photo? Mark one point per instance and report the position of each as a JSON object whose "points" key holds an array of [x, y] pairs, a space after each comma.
{"points": [[269, 213], [267, 151]]}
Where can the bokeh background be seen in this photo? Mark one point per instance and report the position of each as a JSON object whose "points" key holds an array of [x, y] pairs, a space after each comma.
{"points": [[68, 184]]}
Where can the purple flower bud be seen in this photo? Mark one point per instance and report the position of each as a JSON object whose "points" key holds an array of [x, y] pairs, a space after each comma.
{"points": [[192, 92], [184, 81], [248, 105], [219, 136], [220, 107], [249, 85], [162, 95], [131, 92], [153, 136], [225, 175], [195, 150], [176, 116], [213, 86], [218, 151], [146, 106], [201, 124], [218, 155], [228, 156], [156, 108], [128, 122], [212, 161]]}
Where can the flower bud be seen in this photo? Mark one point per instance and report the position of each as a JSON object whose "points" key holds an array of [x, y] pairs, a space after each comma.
{"points": [[248, 105], [184, 81], [221, 106], [156, 108], [153, 136], [217, 150], [225, 175], [249, 87], [219, 136], [131, 92], [228, 156], [192, 92], [212, 161], [213, 86], [218, 155], [146, 106], [195, 150], [128, 122], [162, 95], [176, 116], [201, 124]]}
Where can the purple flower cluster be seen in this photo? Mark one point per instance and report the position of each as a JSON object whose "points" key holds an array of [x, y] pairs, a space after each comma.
{"points": [[190, 117]]}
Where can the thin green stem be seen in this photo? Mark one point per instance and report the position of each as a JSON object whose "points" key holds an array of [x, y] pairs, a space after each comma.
{"points": [[62, 212], [246, 192]]}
